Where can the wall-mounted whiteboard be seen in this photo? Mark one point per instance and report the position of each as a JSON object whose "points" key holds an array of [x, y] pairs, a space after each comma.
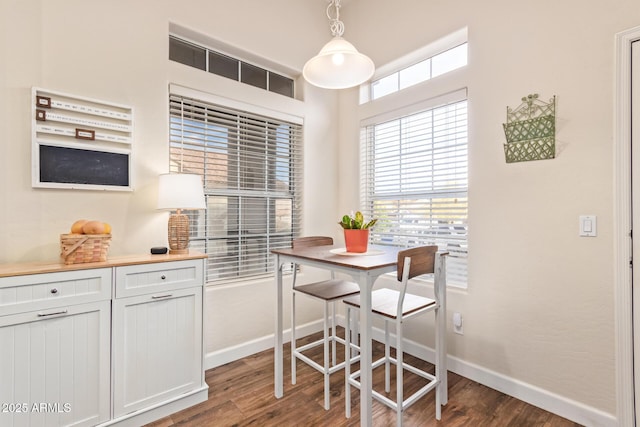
{"points": [[80, 143]]}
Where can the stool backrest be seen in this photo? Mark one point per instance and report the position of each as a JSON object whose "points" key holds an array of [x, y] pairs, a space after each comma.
{"points": [[422, 261], [305, 242]]}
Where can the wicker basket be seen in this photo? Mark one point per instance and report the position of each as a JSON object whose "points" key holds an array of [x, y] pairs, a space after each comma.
{"points": [[524, 130], [81, 248], [534, 149], [530, 130]]}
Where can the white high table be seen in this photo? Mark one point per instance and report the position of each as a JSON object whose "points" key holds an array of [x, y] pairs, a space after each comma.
{"points": [[365, 270]]}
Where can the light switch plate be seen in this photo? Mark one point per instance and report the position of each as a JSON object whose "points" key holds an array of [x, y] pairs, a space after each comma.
{"points": [[588, 226]]}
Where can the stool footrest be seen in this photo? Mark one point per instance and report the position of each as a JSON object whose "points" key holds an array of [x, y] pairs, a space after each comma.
{"points": [[318, 342], [433, 383], [316, 365]]}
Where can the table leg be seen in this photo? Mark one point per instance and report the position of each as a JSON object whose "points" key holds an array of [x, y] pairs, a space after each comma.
{"points": [[442, 324], [440, 288], [278, 353], [366, 285]]}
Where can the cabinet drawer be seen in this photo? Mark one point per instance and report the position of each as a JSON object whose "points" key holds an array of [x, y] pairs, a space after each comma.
{"points": [[19, 294], [158, 277]]}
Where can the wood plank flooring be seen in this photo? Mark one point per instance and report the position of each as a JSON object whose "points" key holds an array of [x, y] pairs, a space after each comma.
{"points": [[241, 394]]}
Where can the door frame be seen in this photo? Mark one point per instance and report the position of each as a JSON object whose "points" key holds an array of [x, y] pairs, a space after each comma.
{"points": [[622, 225]]}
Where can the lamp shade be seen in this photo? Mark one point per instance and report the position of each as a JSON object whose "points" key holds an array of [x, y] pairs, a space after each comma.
{"points": [[338, 65], [180, 191]]}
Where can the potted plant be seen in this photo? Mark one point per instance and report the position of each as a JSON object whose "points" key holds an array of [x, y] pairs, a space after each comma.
{"points": [[356, 232]]}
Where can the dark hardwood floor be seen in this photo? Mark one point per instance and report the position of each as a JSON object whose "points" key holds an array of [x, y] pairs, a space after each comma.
{"points": [[241, 394]]}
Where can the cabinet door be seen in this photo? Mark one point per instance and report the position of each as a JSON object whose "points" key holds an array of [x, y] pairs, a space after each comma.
{"points": [[157, 348], [54, 366]]}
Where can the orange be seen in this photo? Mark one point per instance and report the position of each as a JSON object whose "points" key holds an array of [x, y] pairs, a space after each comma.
{"points": [[93, 227], [76, 228]]}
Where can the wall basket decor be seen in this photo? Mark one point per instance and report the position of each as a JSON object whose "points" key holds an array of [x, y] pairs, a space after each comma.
{"points": [[530, 130]]}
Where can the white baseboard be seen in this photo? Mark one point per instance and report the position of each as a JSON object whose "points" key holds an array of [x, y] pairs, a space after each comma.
{"points": [[230, 354], [536, 396], [562, 406]]}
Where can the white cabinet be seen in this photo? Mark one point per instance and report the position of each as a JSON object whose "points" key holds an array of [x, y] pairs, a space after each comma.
{"points": [[55, 349], [156, 332], [114, 343]]}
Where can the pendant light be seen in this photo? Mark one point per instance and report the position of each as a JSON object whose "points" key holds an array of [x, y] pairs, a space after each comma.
{"points": [[338, 65]]}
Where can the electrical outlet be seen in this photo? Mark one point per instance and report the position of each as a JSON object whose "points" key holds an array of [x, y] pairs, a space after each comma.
{"points": [[457, 323]]}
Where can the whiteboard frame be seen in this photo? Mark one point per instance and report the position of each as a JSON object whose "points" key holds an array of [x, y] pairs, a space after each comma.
{"points": [[86, 109]]}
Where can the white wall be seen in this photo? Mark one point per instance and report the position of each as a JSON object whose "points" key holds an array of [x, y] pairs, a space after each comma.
{"points": [[118, 52], [539, 306]]}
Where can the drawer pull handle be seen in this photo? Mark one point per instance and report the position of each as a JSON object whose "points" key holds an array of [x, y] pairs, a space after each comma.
{"points": [[54, 291], [161, 296], [52, 314], [163, 277]]}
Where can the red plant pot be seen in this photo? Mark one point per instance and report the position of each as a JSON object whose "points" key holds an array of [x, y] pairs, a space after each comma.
{"points": [[356, 240]]}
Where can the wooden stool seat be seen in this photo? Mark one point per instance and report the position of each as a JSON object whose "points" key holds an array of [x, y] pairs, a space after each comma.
{"points": [[384, 302], [329, 290]]}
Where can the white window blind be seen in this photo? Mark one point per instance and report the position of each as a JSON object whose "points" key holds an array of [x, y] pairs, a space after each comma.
{"points": [[251, 170], [414, 180]]}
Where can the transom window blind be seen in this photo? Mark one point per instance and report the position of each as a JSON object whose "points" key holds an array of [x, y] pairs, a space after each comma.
{"points": [[414, 180], [251, 170]]}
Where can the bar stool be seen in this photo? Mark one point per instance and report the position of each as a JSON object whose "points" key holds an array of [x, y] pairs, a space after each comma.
{"points": [[327, 291], [398, 306]]}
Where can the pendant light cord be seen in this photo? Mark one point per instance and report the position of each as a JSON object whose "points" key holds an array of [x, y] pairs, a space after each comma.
{"points": [[337, 27]]}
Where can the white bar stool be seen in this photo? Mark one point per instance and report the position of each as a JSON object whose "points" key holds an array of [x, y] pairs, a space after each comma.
{"points": [[327, 291], [397, 306]]}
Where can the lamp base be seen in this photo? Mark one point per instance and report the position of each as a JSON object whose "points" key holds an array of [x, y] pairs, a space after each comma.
{"points": [[178, 228], [178, 251]]}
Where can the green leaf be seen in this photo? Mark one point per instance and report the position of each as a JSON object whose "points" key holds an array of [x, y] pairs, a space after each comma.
{"points": [[356, 222], [370, 223]]}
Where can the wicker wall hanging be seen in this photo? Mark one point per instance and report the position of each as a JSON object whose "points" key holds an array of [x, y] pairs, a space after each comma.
{"points": [[530, 130]]}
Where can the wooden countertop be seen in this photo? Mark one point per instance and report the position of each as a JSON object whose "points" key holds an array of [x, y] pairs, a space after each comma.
{"points": [[21, 269]]}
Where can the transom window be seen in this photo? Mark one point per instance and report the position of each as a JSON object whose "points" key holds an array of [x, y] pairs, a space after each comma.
{"points": [[424, 70], [206, 59], [418, 72]]}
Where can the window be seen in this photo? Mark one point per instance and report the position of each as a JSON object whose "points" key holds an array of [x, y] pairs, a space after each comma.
{"points": [[187, 54], [424, 70], [414, 180], [251, 170], [254, 76], [205, 59], [223, 65]]}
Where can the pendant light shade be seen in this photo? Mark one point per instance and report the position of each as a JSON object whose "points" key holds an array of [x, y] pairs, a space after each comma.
{"points": [[339, 65]]}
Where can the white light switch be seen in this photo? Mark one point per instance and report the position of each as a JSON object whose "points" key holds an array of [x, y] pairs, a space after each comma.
{"points": [[588, 226]]}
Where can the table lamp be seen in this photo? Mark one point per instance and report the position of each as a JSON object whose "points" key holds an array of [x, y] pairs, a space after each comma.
{"points": [[177, 192]]}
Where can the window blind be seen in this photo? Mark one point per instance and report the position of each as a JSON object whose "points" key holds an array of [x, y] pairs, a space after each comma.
{"points": [[414, 180], [251, 171]]}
